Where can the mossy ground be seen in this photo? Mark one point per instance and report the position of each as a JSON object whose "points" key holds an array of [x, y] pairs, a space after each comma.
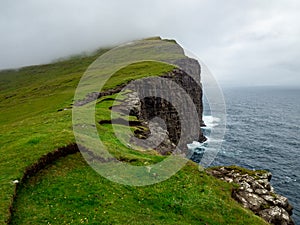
{"points": [[69, 191]]}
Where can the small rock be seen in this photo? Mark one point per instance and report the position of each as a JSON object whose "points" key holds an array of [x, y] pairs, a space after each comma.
{"points": [[263, 182], [268, 198], [240, 199], [261, 191], [276, 215], [245, 184], [249, 190], [281, 201], [229, 180], [255, 201], [256, 185]]}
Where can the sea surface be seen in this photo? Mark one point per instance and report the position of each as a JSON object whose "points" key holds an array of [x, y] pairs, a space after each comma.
{"points": [[262, 132]]}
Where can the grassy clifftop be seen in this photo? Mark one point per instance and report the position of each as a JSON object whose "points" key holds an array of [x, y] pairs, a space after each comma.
{"points": [[33, 123]]}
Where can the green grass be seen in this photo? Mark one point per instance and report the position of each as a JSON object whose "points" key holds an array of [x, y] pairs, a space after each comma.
{"points": [[115, 146], [242, 170], [70, 192], [136, 71], [30, 123], [31, 126]]}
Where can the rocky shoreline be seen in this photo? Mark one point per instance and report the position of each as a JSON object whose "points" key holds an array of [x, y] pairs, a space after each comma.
{"points": [[255, 192]]}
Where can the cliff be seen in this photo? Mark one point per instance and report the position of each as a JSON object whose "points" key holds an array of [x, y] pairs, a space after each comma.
{"points": [[180, 126], [35, 129], [254, 192]]}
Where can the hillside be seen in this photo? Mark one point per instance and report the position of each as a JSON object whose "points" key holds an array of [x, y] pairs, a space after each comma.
{"points": [[36, 119]]}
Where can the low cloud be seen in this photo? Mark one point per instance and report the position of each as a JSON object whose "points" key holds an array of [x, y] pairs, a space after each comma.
{"points": [[242, 42]]}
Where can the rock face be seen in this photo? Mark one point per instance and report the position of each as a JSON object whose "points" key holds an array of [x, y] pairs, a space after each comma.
{"points": [[193, 69], [152, 107], [256, 193], [153, 130], [180, 127]]}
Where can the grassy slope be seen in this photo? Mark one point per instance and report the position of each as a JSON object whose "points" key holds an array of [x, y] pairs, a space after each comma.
{"points": [[70, 192], [31, 127], [30, 124]]}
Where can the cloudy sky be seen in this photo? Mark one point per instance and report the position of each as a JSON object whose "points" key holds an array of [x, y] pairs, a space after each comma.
{"points": [[248, 42]]}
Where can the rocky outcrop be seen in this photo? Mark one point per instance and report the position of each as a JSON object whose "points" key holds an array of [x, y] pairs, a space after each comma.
{"points": [[256, 193], [170, 124], [152, 107], [150, 130]]}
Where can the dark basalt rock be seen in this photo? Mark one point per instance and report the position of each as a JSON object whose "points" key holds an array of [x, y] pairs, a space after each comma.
{"points": [[150, 107], [256, 193]]}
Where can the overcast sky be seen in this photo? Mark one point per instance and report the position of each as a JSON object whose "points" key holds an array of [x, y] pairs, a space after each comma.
{"points": [[243, 42]]}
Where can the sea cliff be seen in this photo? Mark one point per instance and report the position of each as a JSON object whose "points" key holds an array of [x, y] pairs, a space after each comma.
{"points": [[254, 191]]}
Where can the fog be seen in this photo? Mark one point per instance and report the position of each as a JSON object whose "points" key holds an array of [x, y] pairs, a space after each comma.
{"points": [[249, 42]]}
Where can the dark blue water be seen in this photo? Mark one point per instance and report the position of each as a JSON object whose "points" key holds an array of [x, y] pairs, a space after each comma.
{"points": [[263, 132]]}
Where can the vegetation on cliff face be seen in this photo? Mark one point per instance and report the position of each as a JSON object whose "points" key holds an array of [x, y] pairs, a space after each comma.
{"points": [[35, 105]]}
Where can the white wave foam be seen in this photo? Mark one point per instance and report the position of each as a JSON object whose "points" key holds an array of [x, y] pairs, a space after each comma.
{"points": [[210, 122], [211, 140], [195, 145]]}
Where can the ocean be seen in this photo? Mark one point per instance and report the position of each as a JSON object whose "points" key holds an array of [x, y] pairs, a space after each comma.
{"points": [[262, 132]]}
